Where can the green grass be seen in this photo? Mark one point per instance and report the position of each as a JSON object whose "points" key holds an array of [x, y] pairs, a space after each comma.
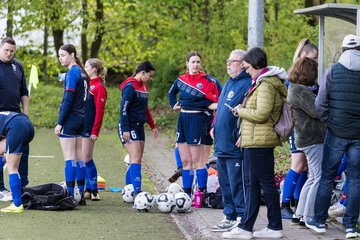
{"points": [[109, 218]]}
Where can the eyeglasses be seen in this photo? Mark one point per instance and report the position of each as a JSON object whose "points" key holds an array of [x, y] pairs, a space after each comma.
{"points": [[230, 61]]}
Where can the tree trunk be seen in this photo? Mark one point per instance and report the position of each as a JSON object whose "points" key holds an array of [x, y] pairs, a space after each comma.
{"points": [[96, 44], [9, 19], [84, 46], [46, 46], [313, 20]]}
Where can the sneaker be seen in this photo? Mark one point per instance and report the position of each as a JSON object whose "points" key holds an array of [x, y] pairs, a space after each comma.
{"points": [[13, 209], [225, 225], [317, 227], [87, 195], [351, 233], [287, 213], [268, 233], [176, 175], [295, 219], [337, 210], [95, 197], [5, 196], [237, 233], [302, 223]]}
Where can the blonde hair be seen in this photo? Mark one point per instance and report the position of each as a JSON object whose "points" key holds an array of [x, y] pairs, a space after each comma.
{"points": [[305, 46], [99, 65]]}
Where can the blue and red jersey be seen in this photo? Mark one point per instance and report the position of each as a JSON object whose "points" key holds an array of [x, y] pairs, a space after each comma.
{"points": [[134, 104], [197, 92], [95, 106], [75, 89]]}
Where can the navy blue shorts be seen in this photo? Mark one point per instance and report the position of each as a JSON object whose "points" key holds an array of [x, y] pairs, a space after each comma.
{"points": [[73, 127], [208, 139], [20, 132], [191, 128], [293, 147], [137, 133]]}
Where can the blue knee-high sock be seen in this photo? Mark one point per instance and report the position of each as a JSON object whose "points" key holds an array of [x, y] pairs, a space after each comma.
{"points": [[15, 187], [300, 184], [177, 157], [91, 173], [87, 184], [202, 176], [70, 175], [289, 185], [135, 173], [81, 175], [128, 176], [187, 178]]}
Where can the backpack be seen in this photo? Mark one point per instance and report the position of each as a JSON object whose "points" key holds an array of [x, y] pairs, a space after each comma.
{"points": [[284, 126], [213, 200], [48, 196]]}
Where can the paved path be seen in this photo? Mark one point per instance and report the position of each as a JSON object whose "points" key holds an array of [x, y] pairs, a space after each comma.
{"points": [[159, 160]]}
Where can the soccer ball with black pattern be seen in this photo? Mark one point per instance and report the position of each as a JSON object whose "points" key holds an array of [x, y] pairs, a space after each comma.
{"points": [[183, 202], [165, 202], [128, 193], [143, 201], [174, 188]]}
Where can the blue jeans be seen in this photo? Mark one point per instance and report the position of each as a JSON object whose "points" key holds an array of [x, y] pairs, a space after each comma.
{"points": [[23, 169], [259, 175], [231, 186], [334, 149]]}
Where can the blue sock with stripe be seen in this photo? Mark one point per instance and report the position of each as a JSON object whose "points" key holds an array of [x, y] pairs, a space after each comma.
{"points": [[128, 176], [177, 157], [187, 178], [91, 173], [70, 175], [202, 177], [135, 173], [81, 175], [300, 184], [290, 183], [15, 187]]}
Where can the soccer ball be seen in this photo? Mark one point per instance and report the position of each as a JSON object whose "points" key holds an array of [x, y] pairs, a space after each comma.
{"points": [[143, 201], [183, 202], [77, 194], [127, 193], [127, 159], [174, 188], [165, 202]]}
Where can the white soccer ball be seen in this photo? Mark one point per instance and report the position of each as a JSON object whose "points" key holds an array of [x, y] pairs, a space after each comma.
{"points": [[183, 202], [77, 194], [143, 201], [128, 193], [127, 159], [165, 202], [174, 188]]}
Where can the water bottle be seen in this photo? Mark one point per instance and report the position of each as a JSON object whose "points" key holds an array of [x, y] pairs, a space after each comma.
{"points": [[198, 199]]}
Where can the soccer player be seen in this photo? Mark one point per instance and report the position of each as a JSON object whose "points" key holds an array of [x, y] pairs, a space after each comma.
{"points": [[18, 132], [134, 113], [198, 96], [71, 118], [94, 114]]}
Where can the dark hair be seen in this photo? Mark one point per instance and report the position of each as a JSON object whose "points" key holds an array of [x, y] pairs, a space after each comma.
{"points": [[8, 40], [305, 46], [256, 57], [144, 66], [303, 71], [99, 65], [191, 54]]}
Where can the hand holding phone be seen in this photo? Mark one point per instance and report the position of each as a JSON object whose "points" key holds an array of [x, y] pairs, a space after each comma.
{"points": [[232, 110]]}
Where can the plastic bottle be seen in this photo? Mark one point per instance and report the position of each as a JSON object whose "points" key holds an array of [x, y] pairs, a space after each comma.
{"points": [[198, 199]]}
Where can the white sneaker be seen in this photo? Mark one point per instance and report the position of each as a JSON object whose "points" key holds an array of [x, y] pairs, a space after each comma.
{"points": [[351, 233], [268, 233], [5, 196], [226, 225], [237, 233], [337, 210]]}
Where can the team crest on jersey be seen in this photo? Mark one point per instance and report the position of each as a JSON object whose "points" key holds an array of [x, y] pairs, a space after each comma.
{"points": [[92, 87], [230, 95], [199, 86]]}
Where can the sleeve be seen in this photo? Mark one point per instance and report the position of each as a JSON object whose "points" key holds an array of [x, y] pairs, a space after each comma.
{"points": [[150, 121], [264, 105], [322, 99], [66, 105], [172, 94], [100, 96], [307, 103], [128, 93], [218, 85], [23, 89], [71, 78]]}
